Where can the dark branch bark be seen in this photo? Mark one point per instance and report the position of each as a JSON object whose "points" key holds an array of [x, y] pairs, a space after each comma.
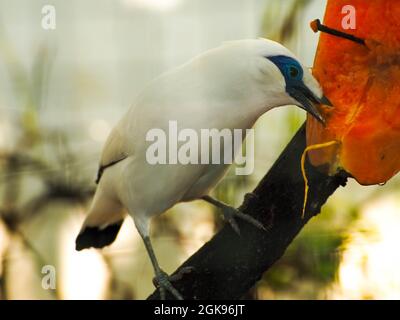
{"points": [[227, 266]]}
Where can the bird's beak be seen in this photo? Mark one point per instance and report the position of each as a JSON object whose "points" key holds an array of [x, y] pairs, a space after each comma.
{"points": [[309, 102]]}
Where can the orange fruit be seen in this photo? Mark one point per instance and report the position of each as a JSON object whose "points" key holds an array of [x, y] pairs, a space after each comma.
{"points": [[363, 84]]}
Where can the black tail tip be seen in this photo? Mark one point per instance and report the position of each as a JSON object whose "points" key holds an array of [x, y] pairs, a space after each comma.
{"points": [[79, 246], [94, 237]]}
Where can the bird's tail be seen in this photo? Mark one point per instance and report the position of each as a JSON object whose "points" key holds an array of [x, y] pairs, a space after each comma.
{"points": [[97, 237], [102, 224]]}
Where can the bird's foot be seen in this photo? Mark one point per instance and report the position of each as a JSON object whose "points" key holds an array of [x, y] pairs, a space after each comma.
{"points": [[163, 282], [231, 213]]}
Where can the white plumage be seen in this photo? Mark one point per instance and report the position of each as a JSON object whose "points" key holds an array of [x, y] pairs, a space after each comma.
{"points": [[227, 87]]}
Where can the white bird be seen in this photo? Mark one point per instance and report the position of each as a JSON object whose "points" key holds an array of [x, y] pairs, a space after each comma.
{"points": [[230, 87]]}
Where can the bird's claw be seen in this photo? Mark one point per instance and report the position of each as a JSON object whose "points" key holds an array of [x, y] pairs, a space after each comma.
{"points": [[163, 282], [231, 213]]}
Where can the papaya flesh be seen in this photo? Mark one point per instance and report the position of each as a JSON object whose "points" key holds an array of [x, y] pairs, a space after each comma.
{"points": [[363, 84]]}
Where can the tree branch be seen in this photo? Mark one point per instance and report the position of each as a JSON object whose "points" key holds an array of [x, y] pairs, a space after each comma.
{"points": [[227, 266]]}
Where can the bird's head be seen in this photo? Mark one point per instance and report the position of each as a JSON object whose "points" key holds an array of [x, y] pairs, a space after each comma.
{"points": [[282, 78], [300, 85]]}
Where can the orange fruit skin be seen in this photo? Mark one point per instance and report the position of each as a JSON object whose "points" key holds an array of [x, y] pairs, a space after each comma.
{"points": [[363, 83]]}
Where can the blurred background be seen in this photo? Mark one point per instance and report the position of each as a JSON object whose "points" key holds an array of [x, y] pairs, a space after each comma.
{"points": [[62, 90]]}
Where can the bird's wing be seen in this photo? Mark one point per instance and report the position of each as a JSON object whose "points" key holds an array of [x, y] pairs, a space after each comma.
{"points": [[115, 150]]}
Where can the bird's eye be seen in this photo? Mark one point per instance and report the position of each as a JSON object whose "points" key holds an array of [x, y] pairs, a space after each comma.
{"points": [[294, 72]]}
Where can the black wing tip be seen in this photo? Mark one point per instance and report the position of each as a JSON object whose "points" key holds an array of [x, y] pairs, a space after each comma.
{"points": [[94, 237], [104, 167]]}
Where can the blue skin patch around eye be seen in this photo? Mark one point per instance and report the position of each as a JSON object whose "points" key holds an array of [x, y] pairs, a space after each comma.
{"points": [[293, 73], [290, 69]]}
